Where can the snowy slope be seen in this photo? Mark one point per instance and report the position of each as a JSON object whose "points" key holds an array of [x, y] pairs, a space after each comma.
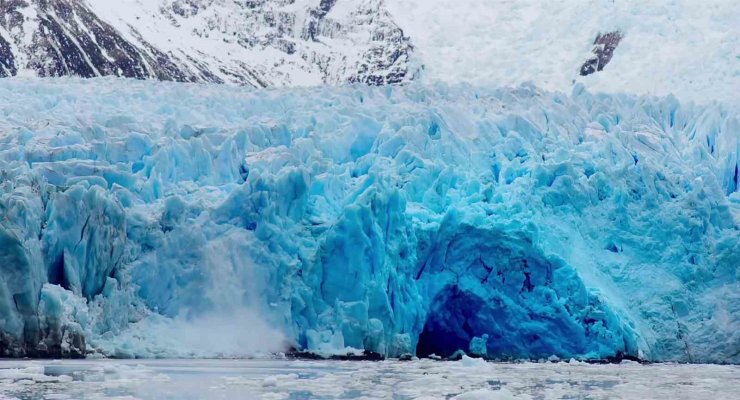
{"points": [[683, 47], [139, 217], [257, 43]]}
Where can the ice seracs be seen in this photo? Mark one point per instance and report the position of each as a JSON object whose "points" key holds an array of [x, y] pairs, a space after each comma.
{"points": [[420, 219]]}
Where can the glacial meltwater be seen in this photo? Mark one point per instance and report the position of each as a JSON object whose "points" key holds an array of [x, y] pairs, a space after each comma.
{"points": [[420, 379]]}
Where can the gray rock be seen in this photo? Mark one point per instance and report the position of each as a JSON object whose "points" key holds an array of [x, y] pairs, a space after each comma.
{"points": [[603, 50]]}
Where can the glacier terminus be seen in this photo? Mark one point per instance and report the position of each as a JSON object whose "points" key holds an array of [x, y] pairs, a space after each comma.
{"points": [[145, 219]]}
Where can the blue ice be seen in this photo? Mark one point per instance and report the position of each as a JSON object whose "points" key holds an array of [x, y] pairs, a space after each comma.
{"points": [[424, 219]]}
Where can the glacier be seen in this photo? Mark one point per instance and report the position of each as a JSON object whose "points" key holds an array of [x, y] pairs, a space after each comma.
{"points": [[145, 219], [683, 48]]}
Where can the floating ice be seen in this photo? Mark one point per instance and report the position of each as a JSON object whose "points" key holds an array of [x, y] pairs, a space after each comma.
{"points": [[418, 219], [418, 380]]}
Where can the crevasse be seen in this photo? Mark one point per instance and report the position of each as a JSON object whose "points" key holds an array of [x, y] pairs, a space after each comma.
{"points": [[509, 223]]}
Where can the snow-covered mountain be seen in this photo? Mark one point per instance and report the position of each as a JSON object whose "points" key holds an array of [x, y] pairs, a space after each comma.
{"points": [[257, 42], [683, 47]]}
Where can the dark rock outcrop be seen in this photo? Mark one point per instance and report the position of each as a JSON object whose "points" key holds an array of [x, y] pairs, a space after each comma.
{"points": [[603, 50]]}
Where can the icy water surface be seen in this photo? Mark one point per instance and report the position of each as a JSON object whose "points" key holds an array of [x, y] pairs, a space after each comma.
{"points": [[423, 379]]}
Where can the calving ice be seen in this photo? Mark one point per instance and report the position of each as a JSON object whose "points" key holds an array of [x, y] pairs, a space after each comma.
{"points": [[140, 219]]}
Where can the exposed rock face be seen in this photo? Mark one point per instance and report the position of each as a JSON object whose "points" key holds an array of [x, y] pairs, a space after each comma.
{"points": [[603, 50], [7, 61], [65, 38], [259, 43]]}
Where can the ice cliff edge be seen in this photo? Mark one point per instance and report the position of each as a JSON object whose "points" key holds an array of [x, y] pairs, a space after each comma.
{"points": [[512, 223]]}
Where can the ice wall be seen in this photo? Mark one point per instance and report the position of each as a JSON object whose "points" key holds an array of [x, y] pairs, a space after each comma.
{"points": [[422, 219]]}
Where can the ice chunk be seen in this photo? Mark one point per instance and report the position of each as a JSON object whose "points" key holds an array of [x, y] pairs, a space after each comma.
{"points": [[479, 345], [488, 394], [472, 362]]}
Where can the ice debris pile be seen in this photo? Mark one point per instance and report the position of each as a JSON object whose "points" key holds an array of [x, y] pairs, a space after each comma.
{"points": [[507, 223]]}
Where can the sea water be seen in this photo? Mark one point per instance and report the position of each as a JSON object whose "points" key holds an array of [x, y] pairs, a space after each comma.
{"points": [[418, 379]]}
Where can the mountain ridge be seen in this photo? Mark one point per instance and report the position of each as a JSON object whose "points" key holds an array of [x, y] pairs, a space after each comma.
{"points": [[255, 43]]}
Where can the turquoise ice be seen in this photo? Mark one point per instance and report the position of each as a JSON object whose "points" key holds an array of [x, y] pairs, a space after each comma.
{"points": [[511, 223]]}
